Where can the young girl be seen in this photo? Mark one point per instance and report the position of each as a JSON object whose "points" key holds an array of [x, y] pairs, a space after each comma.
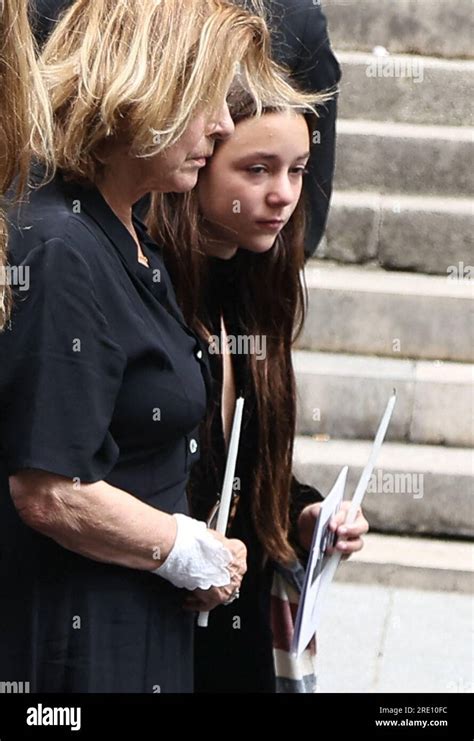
{"points": [[246, 296]]}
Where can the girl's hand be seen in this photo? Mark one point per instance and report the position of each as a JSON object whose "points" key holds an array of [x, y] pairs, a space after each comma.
{"points": [[349, 538]]}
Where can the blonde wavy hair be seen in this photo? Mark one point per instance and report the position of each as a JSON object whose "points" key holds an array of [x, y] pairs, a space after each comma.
{"points": [[137, 71], [24, 117]]}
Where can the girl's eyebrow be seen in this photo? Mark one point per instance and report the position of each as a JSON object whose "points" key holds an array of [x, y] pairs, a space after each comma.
{"points": [[270, 156]]}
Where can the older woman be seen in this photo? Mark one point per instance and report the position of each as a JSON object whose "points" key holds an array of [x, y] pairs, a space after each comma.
{"points": [[102, 384], [23, 107]]}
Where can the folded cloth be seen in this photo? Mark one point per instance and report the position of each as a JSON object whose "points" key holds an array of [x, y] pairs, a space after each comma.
{"points": [[293, 674]]}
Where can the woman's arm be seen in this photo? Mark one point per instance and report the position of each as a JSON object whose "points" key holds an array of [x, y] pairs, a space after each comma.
{"points": [[101, 522], [95, 520]]}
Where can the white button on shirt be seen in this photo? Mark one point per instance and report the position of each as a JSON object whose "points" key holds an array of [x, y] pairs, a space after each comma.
{"points": [[199, 354], [193, 446]]}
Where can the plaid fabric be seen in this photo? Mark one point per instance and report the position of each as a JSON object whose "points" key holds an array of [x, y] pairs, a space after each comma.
{"points": [[293, 675]]}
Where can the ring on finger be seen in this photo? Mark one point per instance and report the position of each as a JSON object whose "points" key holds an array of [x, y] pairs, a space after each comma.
{"points": [[233, 597]]}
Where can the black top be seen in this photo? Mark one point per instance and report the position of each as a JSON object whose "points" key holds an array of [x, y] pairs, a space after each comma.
{"points": [[234, 653], [100, 379]]}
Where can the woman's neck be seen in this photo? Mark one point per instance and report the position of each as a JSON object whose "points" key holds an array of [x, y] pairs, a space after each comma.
{"points": [[121, 186]]}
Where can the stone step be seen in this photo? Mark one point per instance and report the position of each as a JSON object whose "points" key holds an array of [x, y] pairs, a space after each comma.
{"points": [[369, 311], [425, 234], [391, 157], [406, 88], [376, 639], [343, 396], [414, 490], [413, 563], [440, 28]]}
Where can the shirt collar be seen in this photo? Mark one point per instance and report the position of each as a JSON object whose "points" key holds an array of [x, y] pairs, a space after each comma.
{"points": [[91, 200]]}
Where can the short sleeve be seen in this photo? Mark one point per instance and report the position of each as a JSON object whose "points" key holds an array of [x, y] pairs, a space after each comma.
{"points": [[60, 371]]}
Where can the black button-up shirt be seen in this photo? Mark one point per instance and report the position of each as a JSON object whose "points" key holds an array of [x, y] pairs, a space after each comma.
{"points": [[100, 379]]}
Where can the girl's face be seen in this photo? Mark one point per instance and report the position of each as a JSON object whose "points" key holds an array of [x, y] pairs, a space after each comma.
{"points": [[251, 186]]}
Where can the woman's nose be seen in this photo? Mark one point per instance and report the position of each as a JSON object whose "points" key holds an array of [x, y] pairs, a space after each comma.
{"points": [[222, 125]]}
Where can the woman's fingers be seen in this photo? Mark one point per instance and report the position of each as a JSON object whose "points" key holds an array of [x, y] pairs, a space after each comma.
{"points": [[204, 600]]}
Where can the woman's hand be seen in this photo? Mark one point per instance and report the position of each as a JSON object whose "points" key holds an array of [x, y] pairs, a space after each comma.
{"points": [[349, 538], [204, 600]]}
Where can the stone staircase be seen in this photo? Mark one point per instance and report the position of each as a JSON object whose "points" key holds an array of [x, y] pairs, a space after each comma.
{"points": [[391, 289]]}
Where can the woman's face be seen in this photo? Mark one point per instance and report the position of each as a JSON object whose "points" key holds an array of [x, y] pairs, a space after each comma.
{"points": [[176, 169], [251, 186], [179, 165]]}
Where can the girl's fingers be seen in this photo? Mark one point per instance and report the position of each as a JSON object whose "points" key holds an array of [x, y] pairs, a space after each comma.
{"points": [[337, 520], [360, 527], [350, 546]]}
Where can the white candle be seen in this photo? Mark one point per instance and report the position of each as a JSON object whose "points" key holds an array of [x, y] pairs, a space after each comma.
{"points": [[227, 486]]}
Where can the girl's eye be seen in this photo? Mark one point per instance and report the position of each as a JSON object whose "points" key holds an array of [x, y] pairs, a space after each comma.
{"points": [[257, 169], [300, 170]]}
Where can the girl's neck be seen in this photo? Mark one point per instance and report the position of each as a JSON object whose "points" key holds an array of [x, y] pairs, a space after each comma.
{"points": [[222, 250]]}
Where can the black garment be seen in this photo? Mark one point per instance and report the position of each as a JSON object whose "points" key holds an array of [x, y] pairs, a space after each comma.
{"points": [[301, 42], [100, 379], [234, 653], [44, 16]]}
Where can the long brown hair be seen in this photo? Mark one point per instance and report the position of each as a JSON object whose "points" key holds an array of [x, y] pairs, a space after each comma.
{"points": [[272, 300], [24, 115]]}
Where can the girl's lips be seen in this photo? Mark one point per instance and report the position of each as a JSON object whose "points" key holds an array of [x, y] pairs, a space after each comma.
{"points": [[274, 225]]}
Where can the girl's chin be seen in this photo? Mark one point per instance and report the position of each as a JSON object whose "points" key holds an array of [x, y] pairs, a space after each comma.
{"points": [[257, 246]]}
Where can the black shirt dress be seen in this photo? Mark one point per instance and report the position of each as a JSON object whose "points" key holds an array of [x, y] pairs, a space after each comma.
{"points": [[100, 379]]}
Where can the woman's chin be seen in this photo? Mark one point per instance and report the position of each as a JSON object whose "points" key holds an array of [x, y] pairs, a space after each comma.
{"points": [[183, 182]]}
